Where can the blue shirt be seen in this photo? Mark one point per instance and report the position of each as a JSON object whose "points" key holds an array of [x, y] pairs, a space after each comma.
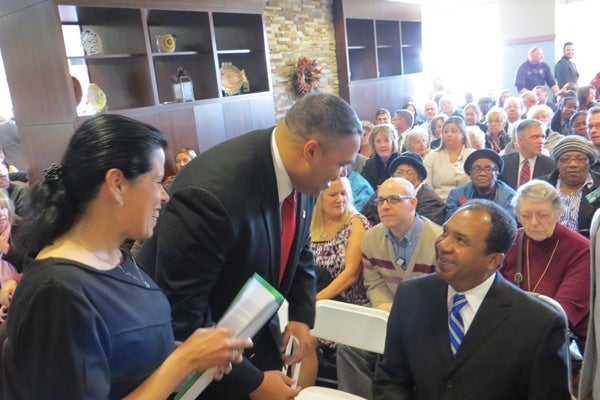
{"points": [[405, 247]]}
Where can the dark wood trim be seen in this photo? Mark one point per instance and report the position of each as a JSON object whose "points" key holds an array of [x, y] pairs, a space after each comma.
{"points": [[42, 90], [341, 52], [255, 6]]}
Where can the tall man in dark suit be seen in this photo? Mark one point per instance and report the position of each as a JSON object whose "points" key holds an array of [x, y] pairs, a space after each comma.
{"points": [[510, 345], [565, 69], [528, 162], [223, 224]]}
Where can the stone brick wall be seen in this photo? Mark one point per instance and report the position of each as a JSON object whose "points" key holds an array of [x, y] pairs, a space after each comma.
{"points": [[298, 28]]}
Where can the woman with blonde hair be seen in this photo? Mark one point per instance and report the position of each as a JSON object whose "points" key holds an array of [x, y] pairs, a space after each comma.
{"points": [[445, 165], [384, 144], [183, 156], [337, 230]]}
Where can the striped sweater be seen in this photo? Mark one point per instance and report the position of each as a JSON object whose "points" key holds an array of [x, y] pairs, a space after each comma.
{"points": [[381, 274]]}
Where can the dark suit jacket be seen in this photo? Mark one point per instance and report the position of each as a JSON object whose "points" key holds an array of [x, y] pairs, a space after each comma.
{"points": [[514, 349], [510, 175], [221, 225]]}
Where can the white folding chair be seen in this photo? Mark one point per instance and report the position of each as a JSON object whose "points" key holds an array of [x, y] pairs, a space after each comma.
{"points": [[348, 324]]}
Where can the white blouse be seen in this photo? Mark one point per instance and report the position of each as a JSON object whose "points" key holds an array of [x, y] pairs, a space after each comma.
{"points": [[442, 175]]}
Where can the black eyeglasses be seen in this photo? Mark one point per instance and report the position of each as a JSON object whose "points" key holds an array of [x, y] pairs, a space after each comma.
{"points": [[487, 170], [402, 173], [391, 199], [567, 160]]}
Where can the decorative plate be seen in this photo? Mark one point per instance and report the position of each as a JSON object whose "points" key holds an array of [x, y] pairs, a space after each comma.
{"points": [[232, 79], [91, 41], [77, 90], [96, 97], [166, 43]]}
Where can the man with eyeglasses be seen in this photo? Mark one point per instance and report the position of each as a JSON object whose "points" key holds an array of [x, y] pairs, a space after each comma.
{"points": [[409, 166], [483, 167], [399, 248], [593, 126], [576, 184]]}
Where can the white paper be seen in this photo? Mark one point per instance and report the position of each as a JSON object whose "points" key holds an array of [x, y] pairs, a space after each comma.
{"points": [[254, 305]]}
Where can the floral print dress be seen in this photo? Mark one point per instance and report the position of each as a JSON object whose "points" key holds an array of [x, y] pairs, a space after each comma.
{"points": [[331, 255]]}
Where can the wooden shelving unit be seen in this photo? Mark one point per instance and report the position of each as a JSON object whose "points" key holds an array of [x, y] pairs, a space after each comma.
{"points": [[377, 53], [133, 72], [42, 51]]}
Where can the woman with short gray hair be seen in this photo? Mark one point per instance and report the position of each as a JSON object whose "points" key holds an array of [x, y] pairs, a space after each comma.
{"points": [[547, 257], [417, 141]]}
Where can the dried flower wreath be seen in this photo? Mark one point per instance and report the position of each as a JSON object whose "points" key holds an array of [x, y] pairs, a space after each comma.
{"points": [[306, 76]]}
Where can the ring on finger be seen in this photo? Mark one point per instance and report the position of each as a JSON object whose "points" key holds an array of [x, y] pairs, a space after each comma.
{"points": [[235, 354]]}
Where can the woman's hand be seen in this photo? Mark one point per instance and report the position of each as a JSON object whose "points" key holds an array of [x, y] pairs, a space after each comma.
{"points": [[3, 313], [204, 349], [6, 292], [4, 246], [213, 347]]}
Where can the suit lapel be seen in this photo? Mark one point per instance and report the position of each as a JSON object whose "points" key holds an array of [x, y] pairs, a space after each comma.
{"points": [[494, 309], [437, 315], [267, 185], [511, 169], [537, 168]]}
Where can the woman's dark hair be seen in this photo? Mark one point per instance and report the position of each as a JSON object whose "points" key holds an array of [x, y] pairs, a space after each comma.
{"points": [[576, 115], [582, 95], [101, 143]]}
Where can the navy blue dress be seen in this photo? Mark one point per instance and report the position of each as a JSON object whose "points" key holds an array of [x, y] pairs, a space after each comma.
{"points": [[75, 332]]}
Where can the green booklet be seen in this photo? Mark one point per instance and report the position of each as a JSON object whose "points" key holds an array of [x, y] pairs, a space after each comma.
{"points": [[254, 305]]}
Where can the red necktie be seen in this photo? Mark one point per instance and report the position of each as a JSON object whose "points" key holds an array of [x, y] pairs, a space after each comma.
{"points": [[288, 230], [525, 173]]}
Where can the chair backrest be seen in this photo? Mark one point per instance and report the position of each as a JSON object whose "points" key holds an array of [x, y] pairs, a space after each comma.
{"points": [[352, 325], [556, 305]]}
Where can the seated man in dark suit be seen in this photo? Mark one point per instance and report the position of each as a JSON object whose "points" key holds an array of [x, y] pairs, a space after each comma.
{"points": [[409, 166], [574, 180], [467, 333], [529, 162]]}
